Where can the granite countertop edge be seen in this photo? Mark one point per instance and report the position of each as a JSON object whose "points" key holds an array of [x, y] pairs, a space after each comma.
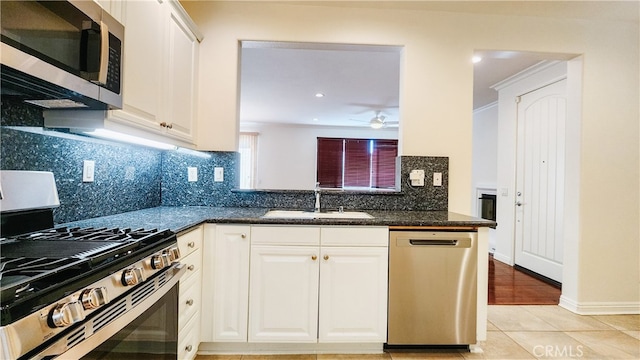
{"points": [[182, 218]]}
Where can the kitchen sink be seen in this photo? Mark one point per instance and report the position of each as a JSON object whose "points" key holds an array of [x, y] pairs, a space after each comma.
{"points": [[302, 214]]}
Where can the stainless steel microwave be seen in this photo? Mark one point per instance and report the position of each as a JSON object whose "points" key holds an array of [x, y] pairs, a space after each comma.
{"points": [[61, 54]]}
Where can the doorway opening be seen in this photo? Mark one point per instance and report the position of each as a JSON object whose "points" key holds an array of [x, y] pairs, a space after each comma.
{"points": [[495, 146]]}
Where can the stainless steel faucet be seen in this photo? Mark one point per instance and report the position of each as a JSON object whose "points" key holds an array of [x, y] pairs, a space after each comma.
{"points": [[317, 193]]}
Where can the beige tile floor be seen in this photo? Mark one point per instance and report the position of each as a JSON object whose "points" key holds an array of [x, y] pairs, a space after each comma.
{"points": [[522, 332]]}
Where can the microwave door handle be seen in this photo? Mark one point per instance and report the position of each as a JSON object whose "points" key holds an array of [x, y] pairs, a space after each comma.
{"points": [[104, 53]]}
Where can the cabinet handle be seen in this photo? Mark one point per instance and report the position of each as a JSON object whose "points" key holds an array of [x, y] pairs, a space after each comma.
{"points": [[191, 267], [164, 124], [191, 244], [244, 236], [190, 302], [313, 257], [189, 348], [326, 257]]}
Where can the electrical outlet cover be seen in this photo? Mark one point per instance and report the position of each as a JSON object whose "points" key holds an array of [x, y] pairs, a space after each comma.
{"points": [[218, 174], [192, 174]]}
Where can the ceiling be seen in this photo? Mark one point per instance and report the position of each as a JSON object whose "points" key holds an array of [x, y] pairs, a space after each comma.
{"points": [[279, 82]]}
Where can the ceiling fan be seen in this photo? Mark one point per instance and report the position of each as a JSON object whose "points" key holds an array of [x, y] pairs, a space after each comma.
{"points": [[379, 121]]}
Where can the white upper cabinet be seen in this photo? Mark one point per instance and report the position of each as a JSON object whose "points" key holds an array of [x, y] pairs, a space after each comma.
{"points": [[182, 76], [159, 72]]}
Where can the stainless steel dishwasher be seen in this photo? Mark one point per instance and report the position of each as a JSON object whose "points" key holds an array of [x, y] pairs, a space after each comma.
{"points": [[432, 288]]}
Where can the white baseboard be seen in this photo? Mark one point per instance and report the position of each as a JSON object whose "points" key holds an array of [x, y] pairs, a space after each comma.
{"points": [[600, 308], [503, 258], [209, 348]]}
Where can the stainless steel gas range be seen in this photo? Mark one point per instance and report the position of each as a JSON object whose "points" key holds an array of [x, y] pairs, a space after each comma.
{"points": [[82, 292]]}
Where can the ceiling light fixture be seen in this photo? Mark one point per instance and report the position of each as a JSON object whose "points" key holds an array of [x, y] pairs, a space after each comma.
{"points": [[377, 122], [319, 95]]}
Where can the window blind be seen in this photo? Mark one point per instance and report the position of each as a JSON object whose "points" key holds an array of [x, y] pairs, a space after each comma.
{"points": [[356, 163]]}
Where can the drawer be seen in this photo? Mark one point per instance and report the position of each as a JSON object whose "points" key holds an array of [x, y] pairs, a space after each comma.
{"points": [[189, 299], [355, 236], [285, 235], [189, 340], [193, 262], [190, 241]]}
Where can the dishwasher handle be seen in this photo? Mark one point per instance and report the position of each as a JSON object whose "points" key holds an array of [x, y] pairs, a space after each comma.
{"points": [[435, 242], [442, 242]]}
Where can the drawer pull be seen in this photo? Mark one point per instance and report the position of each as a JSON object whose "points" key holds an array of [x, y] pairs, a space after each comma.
{"points": [[189, 348], [191, 244], [190, 302], [191, 267], [326, 257], [313, 257], [244, 236]]}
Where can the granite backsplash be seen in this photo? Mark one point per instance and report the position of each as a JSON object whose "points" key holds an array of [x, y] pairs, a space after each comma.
{"points": [[129, 177]]}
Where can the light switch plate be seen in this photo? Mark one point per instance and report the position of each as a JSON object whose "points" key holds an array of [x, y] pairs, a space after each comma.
{"points": [[88, 170], [192, 174], [218, 174], [437, 179]]}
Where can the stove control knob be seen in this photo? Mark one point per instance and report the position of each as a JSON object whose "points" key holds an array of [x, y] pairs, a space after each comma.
{"points": [[132, 276], [66, 314], [174, 253], [94, 298], [159, 261]]}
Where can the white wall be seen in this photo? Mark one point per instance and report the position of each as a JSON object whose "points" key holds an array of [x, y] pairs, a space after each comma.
{"points": [[485, 149], [485, 158], [287, 154], [436, 104]]}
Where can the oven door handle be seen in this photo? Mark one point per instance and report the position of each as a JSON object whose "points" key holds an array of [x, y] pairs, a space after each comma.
{"points": [[163, 283]]}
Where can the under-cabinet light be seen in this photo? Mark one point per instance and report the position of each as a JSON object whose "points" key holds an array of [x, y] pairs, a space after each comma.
{"points": [[112, 135], [194, 153]]}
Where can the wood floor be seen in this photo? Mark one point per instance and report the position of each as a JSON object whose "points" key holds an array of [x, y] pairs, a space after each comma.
{"points": [[509, 286]]}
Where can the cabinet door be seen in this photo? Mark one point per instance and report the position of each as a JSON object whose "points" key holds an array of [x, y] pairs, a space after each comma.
{"points": [[181, 77], [284, 294], [144, 23], [353, 294], [228, 283]]}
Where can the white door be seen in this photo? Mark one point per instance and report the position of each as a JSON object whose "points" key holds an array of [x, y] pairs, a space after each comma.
{"points": [[283, 300], [353, 294], [540, 180]]}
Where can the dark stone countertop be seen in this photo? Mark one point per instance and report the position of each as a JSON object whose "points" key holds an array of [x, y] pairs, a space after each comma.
{"points": [[181, 218]]}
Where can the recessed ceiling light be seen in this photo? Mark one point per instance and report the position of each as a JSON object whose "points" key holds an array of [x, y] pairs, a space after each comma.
{"points": [[476, 59], [315, 119], [319, 95]]}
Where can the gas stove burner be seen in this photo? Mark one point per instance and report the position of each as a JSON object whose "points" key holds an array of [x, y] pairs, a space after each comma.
{"points": [[88, 234], [40, 267]]}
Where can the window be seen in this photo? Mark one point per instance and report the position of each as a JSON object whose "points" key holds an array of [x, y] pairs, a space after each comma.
{"points": [[356, 163], [248, 148]]}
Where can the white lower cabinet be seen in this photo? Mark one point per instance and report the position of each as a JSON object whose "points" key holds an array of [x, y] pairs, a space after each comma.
{"points": [[303, 291], [283, 306], [189, 298], [225, 287], [353, 294]]}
